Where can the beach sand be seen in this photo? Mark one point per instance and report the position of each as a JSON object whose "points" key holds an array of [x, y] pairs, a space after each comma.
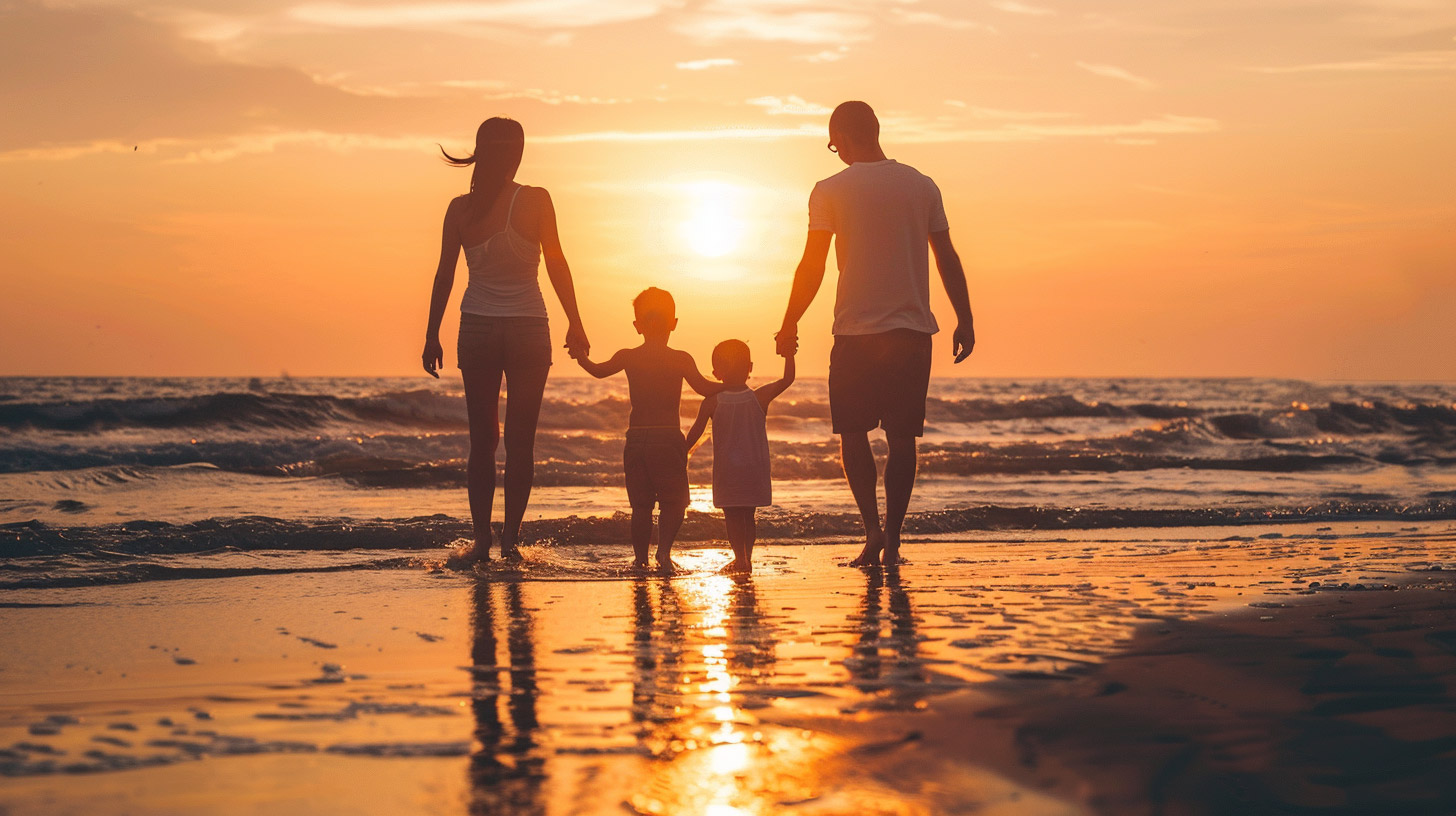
{"points": [[1236, 670]]}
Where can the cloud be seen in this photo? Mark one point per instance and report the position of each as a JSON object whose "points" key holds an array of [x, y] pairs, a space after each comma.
{"points": [[551, 14], [705, 64], [192, 151], [774, 21], [1113, 72], [938, 131], [1409, 61], [930, 18], [826, 55], [710, 134], [1013, 7], [793, 105]]}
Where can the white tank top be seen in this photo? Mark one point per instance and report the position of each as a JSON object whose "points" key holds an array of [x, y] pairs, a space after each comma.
{"points": [[504, 281], [740, 452]]}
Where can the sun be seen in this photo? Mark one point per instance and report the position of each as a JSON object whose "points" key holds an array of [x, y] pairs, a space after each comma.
{"points": [[714, 226]]}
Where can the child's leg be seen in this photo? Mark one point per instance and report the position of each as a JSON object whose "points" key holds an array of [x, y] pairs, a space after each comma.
{"points": [[740, 535], [641, 533], [669, 519]]}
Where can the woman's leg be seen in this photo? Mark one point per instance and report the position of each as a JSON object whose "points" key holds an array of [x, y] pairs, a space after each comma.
{"points": [[524, 389], [482, 397]]}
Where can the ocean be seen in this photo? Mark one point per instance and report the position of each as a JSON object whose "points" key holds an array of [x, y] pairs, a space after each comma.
{"points": [[115, 480]]}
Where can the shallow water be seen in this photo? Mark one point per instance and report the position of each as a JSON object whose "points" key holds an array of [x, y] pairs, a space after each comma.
{"points": [[521, 692]]}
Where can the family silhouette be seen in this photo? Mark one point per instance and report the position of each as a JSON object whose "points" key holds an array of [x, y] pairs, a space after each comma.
{"points": [[884, 218]]}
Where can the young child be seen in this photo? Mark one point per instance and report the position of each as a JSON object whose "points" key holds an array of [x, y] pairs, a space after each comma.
{"points": [[741, 479], [656, 456]]}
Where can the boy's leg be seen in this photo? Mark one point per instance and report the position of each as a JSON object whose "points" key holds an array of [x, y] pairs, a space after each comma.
{"points": [[669, 519], [482, 399], [899, 483], [641, 534], [524, 389], [859, 470]]}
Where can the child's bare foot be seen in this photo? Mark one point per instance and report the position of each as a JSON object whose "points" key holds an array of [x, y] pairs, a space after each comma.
{"points": [[870, 555]]}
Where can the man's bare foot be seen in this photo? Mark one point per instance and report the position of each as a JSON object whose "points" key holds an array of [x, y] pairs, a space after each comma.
{"points": [[510, 552], [666, 567], [870, 555]]}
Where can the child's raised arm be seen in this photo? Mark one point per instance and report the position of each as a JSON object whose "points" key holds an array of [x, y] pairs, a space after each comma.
{"points": [[705, 412], [768, 393], [704, 386], [607, 369]]}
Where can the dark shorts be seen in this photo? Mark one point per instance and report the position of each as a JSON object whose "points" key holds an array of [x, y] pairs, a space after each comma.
{"points": [[506, 344], [656, 463], [879, 380]]}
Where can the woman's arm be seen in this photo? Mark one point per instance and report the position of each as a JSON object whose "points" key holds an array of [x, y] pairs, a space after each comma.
{"points": [[434, 354], [705, 412], [560, 274], [768, 393]]}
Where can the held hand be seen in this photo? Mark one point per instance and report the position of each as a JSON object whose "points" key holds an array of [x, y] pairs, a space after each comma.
{"points": [[576, 345], [434, 357], [787, 341], [963, 340]]}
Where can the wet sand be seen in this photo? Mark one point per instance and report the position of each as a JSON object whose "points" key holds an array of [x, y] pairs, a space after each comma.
{"points": [[1193, 671]]}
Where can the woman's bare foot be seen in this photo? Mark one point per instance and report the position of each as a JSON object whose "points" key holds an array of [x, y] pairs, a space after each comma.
{"points": [[870, 555]]}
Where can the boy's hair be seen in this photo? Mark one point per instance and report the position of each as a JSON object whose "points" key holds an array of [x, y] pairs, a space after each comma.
{"points": [[731, 356], [654, 304]]}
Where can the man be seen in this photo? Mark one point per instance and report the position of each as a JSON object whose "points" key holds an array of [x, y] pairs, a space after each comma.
{"points": [[883, 214]]}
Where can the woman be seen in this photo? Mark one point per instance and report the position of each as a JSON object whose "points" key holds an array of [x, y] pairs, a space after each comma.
{"points": [[504, 228]]}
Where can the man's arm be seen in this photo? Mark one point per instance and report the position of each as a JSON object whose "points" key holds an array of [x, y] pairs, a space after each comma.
{"points": [[807, 279], [948, 262], [607, 369], [704, 386], [705, 412], [769, 392]]}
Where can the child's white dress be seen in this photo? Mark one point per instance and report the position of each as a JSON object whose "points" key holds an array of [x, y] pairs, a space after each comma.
{"points": [[740, 452]]}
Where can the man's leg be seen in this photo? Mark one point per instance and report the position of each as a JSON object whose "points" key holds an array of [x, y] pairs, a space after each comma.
{"points": [[859, 470], [899, 483]]}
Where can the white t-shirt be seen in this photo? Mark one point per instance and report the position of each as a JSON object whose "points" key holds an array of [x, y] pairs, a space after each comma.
{"points": [[881, 214]]}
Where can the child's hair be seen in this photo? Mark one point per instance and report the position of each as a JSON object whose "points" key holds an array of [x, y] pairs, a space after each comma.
{"points": [[731, 358], [654, 305]]}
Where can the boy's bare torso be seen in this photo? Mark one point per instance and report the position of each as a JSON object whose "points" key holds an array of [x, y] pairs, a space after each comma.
{"points": [[655, 376]]}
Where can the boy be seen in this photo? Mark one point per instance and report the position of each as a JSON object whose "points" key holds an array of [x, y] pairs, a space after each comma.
{"points": [[741, 480], [656, 456]]}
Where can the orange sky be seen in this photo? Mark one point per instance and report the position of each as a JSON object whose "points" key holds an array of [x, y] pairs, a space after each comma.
{"points": [[1198, 188]]}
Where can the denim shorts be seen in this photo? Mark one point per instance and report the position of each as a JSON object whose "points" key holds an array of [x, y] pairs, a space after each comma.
{"points": [[503, 343]]}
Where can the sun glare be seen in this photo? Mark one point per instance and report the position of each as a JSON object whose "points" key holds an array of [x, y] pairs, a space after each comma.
{"points": [[714, 226]]}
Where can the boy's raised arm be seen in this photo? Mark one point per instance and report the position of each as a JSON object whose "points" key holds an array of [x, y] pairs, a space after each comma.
{"points": [[768, 393], [705, 412], [704, 386], [599, 370]]}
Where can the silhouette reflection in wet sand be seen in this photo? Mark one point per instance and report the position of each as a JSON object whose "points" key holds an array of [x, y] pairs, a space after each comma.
{"points": [[506, 769], [903, 683]]}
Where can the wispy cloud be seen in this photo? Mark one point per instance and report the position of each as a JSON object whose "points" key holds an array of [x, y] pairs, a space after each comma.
{"points": [[193, 151], [1113, 72], [710, 134], [1013, 7], [1006, 115], [1409, 61], [827, 55], [938, 131], [792, 105], [705, 64], [525, 13], [935, 20], [774, 21]]}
